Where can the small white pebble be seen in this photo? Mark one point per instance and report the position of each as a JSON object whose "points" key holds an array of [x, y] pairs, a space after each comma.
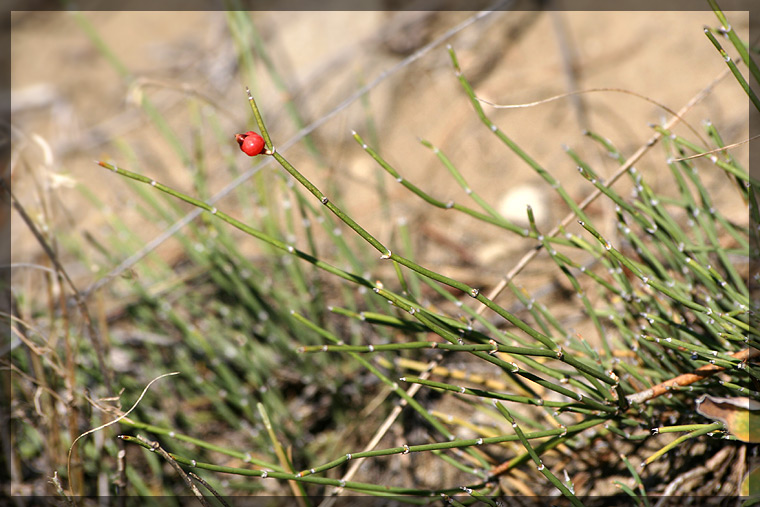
{"points": [[512, 204]]}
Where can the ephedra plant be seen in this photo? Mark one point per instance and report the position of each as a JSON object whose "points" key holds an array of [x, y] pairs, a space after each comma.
{"points": [[672, 313], [667, 295]]}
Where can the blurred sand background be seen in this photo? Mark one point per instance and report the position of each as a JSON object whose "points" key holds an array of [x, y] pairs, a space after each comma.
{"points": [[65, 91]]}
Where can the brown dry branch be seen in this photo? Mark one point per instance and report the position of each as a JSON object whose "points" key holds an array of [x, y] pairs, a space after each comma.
{"points": [[504, 283], [156, 447], [95, 337], [688, 378]]}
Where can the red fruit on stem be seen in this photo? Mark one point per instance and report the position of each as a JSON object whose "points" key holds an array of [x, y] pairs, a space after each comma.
{"points": [[250, 143]]}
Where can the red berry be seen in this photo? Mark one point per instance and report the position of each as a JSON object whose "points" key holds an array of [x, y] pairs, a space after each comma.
{"points": [[250, 143]]}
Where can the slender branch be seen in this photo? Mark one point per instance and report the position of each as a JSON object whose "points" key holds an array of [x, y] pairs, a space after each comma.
{"points": [[688, 378], [156, 447]]}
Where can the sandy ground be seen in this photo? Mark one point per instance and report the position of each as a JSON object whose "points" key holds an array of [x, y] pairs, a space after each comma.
{"points": [[69, 100], [73, 101], [70, 96]]}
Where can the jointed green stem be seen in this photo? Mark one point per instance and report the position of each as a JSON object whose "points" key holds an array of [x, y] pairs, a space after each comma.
{"points": [[386, 253], [308, 475]]}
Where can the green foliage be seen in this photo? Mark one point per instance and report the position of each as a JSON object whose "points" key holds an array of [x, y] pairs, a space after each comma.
{"points": [[251, 333]]}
